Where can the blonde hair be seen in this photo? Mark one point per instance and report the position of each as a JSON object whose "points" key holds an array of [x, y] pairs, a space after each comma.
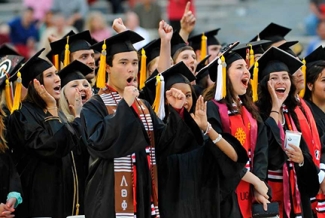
{"points": [[64, 106], [93, 15]]}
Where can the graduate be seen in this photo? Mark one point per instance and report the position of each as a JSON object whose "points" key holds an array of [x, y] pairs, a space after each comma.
{"points": [[186, 186], [292, 174], [231, 110], [123, 134], [213, 45], [315, 64], [77, 46], [74, 85], [40, 138]]}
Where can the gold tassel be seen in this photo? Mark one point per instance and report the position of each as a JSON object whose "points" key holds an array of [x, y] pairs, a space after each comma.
{"points": [[303, 69], [224, 81], [17, 97], [101, 75], [251, 56], [155, 105], [8, 95], [77, 209], [254, 82], [56, 61], [204, 46], [143, 70], [66, 53]]}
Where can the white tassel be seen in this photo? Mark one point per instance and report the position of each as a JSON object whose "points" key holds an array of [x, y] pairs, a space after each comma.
{"points": [[161, 110], [218, 94]]}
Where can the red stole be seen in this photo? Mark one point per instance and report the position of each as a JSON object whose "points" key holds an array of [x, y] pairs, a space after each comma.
{"points": [[244, 127], [309, 131]]}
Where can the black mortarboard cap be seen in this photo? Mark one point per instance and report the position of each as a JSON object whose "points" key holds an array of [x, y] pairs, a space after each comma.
{"points": [[276, 60], [273, 32], [152, 50], [195, 41], [286, 47], [122, 42], [74, 71], [202, 63], [77, 42], [9, 66], [7, 50], [33, 67], [241, 49], [212, 67], [179, 73], [177, 42], [317, 55]]}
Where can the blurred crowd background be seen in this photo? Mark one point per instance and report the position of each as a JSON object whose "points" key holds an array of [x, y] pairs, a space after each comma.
{"points": [[27, 24]]}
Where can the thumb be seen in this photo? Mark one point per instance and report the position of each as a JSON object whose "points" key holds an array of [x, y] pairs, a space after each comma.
{"points": [[192, 115], [161, 24], [187, 7]]}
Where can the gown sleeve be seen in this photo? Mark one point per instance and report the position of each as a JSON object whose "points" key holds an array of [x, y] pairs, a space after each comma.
{"points": [[48, 139], [222, 159], [111, 136], [260, 162]]}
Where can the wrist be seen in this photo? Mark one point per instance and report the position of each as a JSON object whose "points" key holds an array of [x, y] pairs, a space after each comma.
{"points": [[206, 127]]}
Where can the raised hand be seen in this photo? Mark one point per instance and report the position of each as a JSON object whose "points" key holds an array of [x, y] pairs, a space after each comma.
{"points": [[276, 101], [200, 114], [130, 94], [188, 20], [118, 25], [76, 105], [165, 31], [41, 91], [175, 98]]}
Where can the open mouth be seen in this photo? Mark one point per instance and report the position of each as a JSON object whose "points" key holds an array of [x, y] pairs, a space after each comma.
{"points": [[280, 90], [83, 96], [57, 88], [192, 68], [245, 81], [130, 79]]}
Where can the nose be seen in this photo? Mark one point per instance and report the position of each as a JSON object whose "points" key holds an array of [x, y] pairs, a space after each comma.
{"points": [[91, 61], [57, 78], [81, 87], [246, 71]]}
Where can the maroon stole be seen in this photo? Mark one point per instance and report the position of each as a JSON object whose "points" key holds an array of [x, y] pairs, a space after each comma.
{"points": [[125, 171], [244, 127]]}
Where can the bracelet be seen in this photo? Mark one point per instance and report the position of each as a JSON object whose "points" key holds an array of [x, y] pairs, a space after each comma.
{"points": [[51, 118], [301, 164], [275, 112], [51, 108], [209, 127], [217, 139]]}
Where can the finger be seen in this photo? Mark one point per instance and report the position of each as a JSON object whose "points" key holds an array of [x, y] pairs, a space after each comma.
{"points": [[187, 7], [161, 24]]}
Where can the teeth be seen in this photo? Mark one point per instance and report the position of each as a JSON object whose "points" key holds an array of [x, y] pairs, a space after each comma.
{"points": [[280, 89]]}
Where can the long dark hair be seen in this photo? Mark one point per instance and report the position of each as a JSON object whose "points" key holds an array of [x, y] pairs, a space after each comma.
{"points": [[313, 72], [32, 95], [246, 99], [264, 102]]}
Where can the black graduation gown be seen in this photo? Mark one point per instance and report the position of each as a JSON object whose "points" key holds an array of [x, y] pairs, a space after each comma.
{"points": [[307, 175], [39, 148], [119, 135], [260, 161], [319, 117], [9, 179], [189, 176]]}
